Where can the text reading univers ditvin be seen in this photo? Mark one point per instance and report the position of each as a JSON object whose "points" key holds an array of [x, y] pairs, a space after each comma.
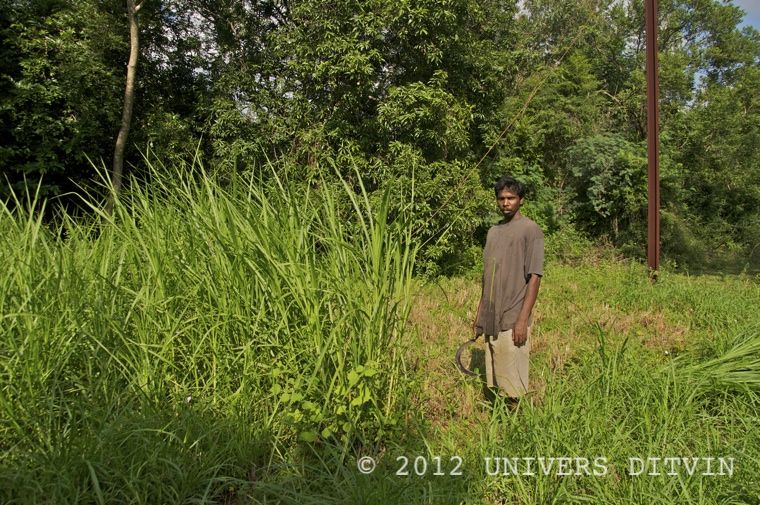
{"points": [[599, 466]]}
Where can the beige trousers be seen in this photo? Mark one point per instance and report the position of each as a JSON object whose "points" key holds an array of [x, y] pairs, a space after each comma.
{"points": [[507, 364]]}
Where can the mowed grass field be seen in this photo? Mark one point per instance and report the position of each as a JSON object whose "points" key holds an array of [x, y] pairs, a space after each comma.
{"points": [[248, 343], [621, 368]]}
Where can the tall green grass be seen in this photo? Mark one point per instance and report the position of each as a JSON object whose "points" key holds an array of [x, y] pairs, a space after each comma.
{"points": [[188, 344], [242, 341]]}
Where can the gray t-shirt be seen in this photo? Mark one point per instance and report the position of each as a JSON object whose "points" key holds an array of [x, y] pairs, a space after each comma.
{"points": [[513, 251]]}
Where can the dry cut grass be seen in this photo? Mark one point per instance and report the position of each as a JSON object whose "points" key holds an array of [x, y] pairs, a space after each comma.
{"points": [[576, 305]]}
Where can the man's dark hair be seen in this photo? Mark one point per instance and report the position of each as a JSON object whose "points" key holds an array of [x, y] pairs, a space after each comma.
{"points": [[511, 184]]}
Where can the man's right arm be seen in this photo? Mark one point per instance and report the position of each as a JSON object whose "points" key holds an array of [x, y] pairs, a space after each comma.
{"points": [[475, 329]]}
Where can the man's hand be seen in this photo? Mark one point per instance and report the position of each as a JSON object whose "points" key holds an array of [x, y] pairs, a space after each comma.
{"points": [[475, 330], [520, 332]]}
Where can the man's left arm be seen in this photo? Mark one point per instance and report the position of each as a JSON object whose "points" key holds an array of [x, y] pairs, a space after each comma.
{"points": [[520, 331], [534, 269]]}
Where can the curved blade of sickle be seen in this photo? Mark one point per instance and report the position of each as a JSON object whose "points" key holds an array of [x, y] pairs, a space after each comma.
{"points": [[458, 358]]}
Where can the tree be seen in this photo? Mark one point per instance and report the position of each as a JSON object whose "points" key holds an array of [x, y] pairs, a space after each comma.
{"points": [[129, 98]]}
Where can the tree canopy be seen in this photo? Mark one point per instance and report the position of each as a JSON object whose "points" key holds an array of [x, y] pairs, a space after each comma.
{"points": [[553, 91]]}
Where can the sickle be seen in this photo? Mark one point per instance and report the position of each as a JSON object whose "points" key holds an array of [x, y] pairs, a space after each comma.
{"points": [[458, 358]]}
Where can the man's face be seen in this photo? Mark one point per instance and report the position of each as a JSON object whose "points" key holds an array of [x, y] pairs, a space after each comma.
{"points": [[509, 203]]}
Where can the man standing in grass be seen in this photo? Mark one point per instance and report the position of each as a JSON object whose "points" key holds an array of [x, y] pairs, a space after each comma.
{"points": [[512, 268]]}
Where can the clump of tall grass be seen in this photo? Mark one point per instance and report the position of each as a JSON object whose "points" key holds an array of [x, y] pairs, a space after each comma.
{"points": [[731, 364], [185, 342]]}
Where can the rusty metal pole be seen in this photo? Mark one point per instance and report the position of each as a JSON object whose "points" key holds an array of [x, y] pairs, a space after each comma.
{"points": [[653, 140]]}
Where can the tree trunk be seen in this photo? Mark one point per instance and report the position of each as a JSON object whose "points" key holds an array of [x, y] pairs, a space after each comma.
{"points": [[129, 100]]}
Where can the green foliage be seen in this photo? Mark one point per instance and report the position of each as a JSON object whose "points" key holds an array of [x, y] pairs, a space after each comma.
{"points": [[58, 103], [552, 91], [563, 105], [426, 117], [609, 177], [720, 146], [568, 246], [680, 242], [448, 206]]}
